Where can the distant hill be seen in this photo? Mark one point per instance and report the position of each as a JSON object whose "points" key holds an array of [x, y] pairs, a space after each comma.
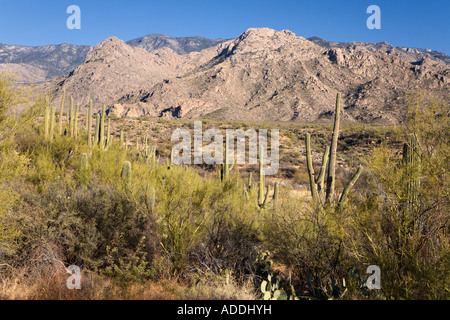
{"points": [[182, 45], [39, 64], [263, 75], [407, 54]]}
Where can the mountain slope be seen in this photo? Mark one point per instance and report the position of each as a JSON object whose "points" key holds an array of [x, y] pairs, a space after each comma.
{"points": [[269, 75], [262, 75], [39, 64], [181, 45], [408, 54], [51, 61], [113, 69]]}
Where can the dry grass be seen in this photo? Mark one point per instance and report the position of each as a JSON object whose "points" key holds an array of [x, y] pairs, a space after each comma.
{"points": [[53, 286]]}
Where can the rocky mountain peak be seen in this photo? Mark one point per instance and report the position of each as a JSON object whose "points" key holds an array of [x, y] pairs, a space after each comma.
{"points": [[108, 49]]}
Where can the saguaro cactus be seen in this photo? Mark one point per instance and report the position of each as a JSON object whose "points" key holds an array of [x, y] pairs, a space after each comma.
{"points": [[89, 124], [312, 179], [52, 123], [97, 130], [108, 135], [126, 173], [61, 112], [317, 184], [331, 180], [46, 120], [84, 162], [122, 138], [263, 196], [261, 177], [102, 128], [71, 118], [75, 122]]}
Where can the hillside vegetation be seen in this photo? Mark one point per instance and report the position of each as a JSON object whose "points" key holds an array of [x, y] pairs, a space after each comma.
{"points": [[111, 202]]}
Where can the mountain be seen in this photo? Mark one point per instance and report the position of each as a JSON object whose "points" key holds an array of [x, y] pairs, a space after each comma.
{"points": [[412, 55], [181, 45], [39, 64], [112, 69], [262, 75]]}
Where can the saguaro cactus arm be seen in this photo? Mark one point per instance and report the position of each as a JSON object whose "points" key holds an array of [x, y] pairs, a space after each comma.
{"points": [[312, 181], [321, 178], [350, 185]]}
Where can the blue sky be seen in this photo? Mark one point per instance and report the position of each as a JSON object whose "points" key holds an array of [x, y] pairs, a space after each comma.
{"points": [[409, 23]]}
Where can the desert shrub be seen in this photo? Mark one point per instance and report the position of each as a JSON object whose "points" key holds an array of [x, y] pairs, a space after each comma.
{"points": [[194, 213], [12, 163], [126, 269], [306, 240], [80, 224], [231, 240], [401, 222]]}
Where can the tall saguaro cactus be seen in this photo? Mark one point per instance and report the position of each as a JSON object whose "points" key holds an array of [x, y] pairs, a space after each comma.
{"points": [[75, 122], [61, 112], [84, 162], [89, 124], [226, 167], [102, 128], [312, 179], [317, 184], [52, 123], [263, 195], [46, 120], [71, 118], [126, 173], [331, 180], [97, 130]]}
